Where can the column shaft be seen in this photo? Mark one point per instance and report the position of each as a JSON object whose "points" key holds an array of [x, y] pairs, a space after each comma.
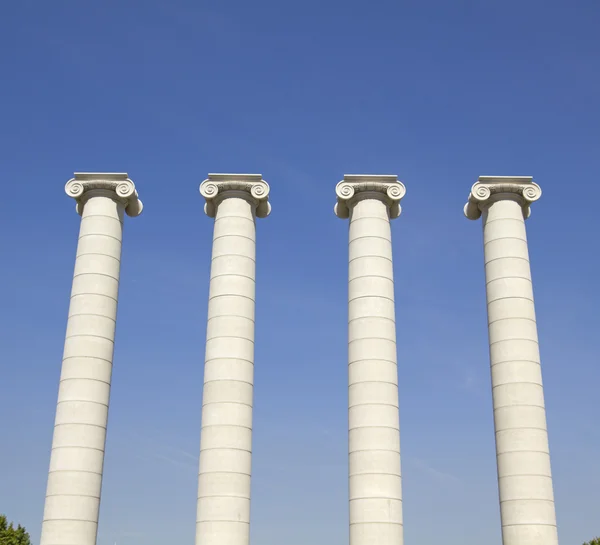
{"points": [[524, 476], [374, 436], [223, 515], [76, 463]]}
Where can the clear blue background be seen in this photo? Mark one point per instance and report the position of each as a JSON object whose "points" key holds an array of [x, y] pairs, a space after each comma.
{"points": [[438, 92]]}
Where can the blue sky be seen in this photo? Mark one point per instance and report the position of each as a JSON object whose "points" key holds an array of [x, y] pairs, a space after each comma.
{"points": [[437, 92]]}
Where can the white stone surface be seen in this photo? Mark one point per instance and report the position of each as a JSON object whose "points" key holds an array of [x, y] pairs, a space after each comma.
{"points": [[76, 462], [523, 456], [223, 515], [375, 479]]}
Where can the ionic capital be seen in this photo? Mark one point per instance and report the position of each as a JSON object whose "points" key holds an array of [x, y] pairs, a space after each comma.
{"points": [[115, 185], [489, 189], [355, 187], [249, 186]]}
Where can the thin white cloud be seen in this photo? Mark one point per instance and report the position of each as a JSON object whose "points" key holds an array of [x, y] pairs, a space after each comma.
{"points": [[438, 475]]}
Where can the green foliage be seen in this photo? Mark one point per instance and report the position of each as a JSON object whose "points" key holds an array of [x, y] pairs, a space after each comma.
{"points": [[595, 541], [9, 535]]}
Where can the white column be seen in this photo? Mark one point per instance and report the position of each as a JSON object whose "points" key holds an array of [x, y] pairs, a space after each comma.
{"points": [[374, 431], [77, 458], [523, 457], [223, 516]]}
